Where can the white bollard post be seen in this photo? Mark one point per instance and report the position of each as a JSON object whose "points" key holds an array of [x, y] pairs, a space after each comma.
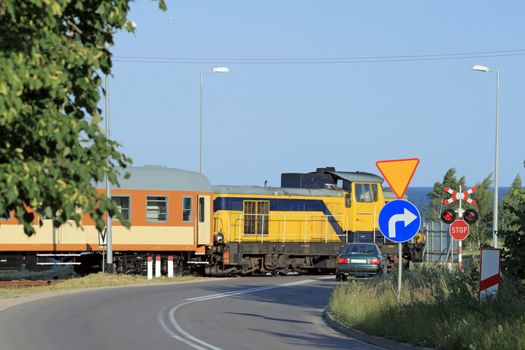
{"points": [[170, 266], [150, 267], [157, 266]]}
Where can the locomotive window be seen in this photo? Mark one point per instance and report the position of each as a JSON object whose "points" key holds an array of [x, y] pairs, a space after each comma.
{"points": [[373, 189], [256, 217], [362, 193], [186, 209], [366, 192], [123, 203], [348, 200], [156, 209]]}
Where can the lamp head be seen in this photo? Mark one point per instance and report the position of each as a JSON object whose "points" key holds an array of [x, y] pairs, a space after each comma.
{"points": [[220, 70], [479, 68]]}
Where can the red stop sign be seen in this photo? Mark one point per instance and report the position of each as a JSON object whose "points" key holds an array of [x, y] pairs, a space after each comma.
{"points": [[459, 230]]}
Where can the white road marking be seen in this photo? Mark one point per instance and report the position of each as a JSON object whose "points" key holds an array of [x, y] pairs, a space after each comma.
{"points": [[194, 342], [250, 290], [166, 329]]}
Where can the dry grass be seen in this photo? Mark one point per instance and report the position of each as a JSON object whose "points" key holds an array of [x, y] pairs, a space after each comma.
{"points": [[438, 309], [91, 281]]}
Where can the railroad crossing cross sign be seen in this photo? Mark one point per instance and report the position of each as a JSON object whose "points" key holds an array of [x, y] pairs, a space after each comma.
{"points": [[399, 220], [459, 230], [461, 196]]}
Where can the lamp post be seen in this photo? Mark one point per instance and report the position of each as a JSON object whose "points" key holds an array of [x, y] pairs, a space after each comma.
{"points": [[213, 70], [109, 228], [495, 217]]}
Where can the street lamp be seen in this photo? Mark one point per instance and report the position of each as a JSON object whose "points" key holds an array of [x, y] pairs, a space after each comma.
{"points": [[213, 70], [495, 217]]}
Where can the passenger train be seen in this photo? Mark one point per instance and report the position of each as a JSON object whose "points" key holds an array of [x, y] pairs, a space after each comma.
{"points": [[213, 230]]}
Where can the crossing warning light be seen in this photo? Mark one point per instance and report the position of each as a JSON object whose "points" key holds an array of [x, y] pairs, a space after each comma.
{"points": [[448, 216], [470, 216]]}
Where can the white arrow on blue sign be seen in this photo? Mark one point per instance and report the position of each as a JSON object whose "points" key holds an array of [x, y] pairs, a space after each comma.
{"points": [[399, 220]]}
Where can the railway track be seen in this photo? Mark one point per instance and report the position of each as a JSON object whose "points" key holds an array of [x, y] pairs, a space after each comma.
{"points": [[28, 283]]}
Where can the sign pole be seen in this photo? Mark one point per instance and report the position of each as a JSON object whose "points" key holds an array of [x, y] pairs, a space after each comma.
{"points": [[398, 174], [460, 259], [399, 260]]}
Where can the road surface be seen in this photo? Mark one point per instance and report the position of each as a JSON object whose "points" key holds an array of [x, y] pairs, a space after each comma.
{"points": [[235, 313]]}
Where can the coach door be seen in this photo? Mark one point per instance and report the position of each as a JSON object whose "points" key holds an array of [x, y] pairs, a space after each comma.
{"points": [[203, 221]]}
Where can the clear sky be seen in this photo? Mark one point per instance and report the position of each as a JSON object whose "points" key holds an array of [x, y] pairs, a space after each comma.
{"points": [[304, 110]]}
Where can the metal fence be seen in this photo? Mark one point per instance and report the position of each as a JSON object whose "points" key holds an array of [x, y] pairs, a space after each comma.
{"points": [[439, 247]]}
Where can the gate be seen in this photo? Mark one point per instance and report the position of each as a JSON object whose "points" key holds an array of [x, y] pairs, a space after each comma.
{"points": [[439, 247]]}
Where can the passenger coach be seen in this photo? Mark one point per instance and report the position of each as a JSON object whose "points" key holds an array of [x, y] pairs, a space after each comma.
{"points": [[169, 211]]}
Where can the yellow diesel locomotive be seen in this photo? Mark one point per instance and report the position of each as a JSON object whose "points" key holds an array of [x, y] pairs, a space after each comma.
{"points": [[300, 226]]}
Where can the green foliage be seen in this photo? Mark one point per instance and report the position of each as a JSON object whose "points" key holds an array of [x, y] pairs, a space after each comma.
{"points": [[52, 149], [512, 230], [438, 308], [484, 196]]}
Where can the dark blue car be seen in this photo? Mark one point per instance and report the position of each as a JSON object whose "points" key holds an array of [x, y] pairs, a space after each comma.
{"points": [[359, 260]]}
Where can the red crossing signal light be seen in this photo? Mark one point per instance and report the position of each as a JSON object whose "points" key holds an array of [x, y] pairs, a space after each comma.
{"points": [[448, 216], [470, 216]]}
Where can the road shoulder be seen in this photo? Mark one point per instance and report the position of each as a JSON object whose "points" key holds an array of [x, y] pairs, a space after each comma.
{"points": [[371, 339], [7, 303]]}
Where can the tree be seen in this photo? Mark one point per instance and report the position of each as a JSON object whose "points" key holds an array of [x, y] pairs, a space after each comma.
{"points": [[512, 229], [52, 149], [482, 229]]}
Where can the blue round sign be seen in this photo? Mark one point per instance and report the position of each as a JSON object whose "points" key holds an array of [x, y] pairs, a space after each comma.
{"points": [[399, 221]]}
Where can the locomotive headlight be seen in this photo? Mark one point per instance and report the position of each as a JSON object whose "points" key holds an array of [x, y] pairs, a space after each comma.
{"points": [[219, 238]]}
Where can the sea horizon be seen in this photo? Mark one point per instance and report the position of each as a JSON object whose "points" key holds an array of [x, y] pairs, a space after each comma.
{"points": [[419, 195]]}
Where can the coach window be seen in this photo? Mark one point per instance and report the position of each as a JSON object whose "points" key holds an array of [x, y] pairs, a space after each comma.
{"points": [[256, 215], [123, 204], [201, 209], [156, 209], [187, 209]]}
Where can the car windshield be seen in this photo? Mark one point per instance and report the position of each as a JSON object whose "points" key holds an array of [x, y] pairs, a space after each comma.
{"points": [[361, 249]]}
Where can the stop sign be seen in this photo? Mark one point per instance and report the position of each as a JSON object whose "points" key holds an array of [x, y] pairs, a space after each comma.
{"points": [[459, 230]]}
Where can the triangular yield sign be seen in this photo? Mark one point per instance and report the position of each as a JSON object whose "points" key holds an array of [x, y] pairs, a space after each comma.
{"points": [[398, 173]]}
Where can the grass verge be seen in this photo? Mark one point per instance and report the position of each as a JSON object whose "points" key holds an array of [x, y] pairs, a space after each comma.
{"points": [[438, 309], [91, 281]]}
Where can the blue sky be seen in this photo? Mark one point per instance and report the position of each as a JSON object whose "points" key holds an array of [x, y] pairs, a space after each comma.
{"points": [[264, 118]]}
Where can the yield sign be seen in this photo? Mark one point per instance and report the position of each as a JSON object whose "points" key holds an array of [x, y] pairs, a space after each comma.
{"points": [[398, 173]]}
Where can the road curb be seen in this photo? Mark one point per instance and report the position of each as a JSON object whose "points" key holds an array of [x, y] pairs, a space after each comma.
{"points": [[371, 339]]}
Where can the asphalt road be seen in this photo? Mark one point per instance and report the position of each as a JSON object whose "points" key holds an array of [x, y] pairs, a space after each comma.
{"points": [[238, 313]]}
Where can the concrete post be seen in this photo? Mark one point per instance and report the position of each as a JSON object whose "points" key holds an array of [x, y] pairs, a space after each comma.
{"points": [[157, 266], [150, 267], [170, 266]]}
